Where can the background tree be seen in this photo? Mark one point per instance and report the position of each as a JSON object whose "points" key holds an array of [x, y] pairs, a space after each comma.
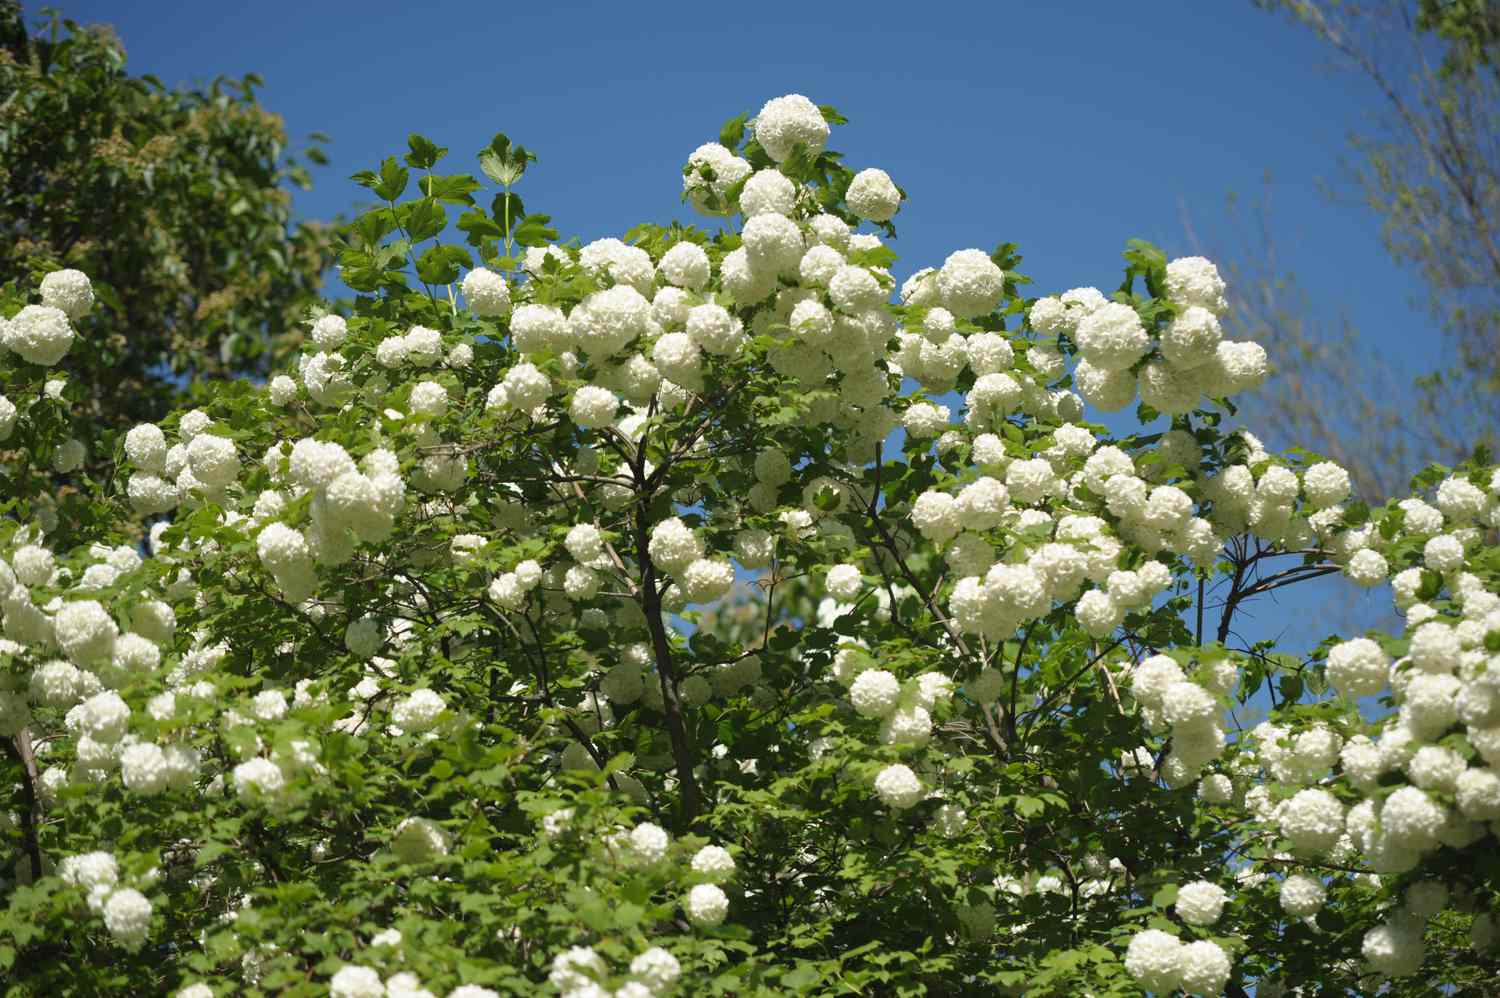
{"points": [[1429, 165], [176, 202]]}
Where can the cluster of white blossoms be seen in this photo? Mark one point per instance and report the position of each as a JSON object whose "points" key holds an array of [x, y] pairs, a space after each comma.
{"points": [[1162, 963], [355, 980], [1187, 359], [1413, 791], [125, 910], [580, 972], [648, 846], [42, 335]]}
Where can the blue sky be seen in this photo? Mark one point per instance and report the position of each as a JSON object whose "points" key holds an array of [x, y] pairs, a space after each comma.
{"points": [[1066, 128]]}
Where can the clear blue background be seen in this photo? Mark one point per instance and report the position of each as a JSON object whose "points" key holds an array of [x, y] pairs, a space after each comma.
{"points": [[1066, 128]]}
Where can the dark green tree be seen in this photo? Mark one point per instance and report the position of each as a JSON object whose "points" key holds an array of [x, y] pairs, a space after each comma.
{"points": [[175, 201]]}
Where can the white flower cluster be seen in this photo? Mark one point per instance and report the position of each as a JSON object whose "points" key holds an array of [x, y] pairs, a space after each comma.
{"points": [[580, 972], [1160, 962], [126, 911]]}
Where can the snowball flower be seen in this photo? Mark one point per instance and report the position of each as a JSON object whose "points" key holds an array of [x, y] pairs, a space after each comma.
{"points": [[713, 863], [874, 693], [127, 916], [1205, 967], [844, 582], [40, 334], [354, 981], [1112, 338], [258, 778], [657, 969], [429, 398], [685, 265], [649, 844], [785, 122], [69, 291], [418, 711], [1411, 819], [1313, 820], [593, 406], [1200, 903], [486, 292], [706, 905], [1155, 959], [85, 630], [711, 170], [1358, 668], [1194, 280], [873, 196], [146, 447], [970, 284], [1394, 948], [768, 192], [898, 787]]}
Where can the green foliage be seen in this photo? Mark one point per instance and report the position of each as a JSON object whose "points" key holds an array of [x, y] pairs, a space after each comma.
{"points": [[174, 202]]}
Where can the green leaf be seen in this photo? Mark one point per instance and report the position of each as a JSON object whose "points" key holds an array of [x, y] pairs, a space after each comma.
{"points": [[424, 152], [441, 264], [733, 132], [456, 188], [392, 182], [504, 162], [534, 231], [423, 219]]}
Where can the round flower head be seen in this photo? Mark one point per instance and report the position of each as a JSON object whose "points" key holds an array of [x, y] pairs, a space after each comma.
{"points": [[1200, 903], [1313, 820], [745, 284], [1155, 959], [1193, 280], [1395, 948], [774, 243], [785, 122], [1112, 338], [768, 192], [329, 332], [706, 905], [85, 630], [898, 787], [69, 291], [418, 712], [1105, 390], [1236, 367], [710, 172], [1205, 967], [1358, 668], [486, 292], [127, 916], [354, 981], [657, 969], [873, 196], [844, 582], [685, 265], [714, 863], [875, 693], [1192, 339], [39, 334], [593, 406], [970, 284]]}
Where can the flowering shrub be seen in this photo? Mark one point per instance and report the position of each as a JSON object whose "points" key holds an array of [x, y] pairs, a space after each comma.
{"points": [[637, 618]]}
